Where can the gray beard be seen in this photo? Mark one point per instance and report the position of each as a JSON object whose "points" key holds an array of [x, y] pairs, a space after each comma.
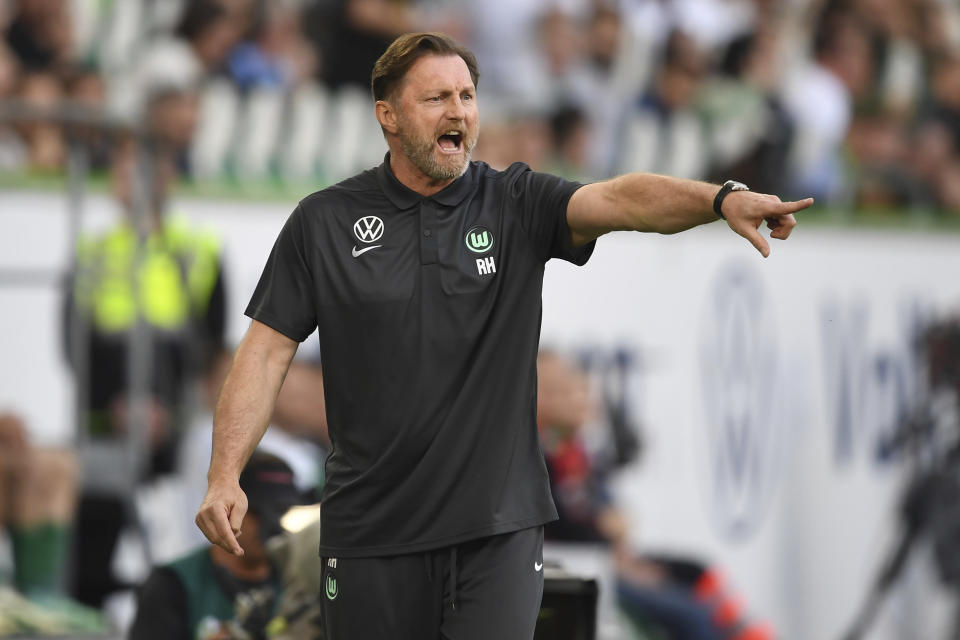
{"points": [[420, 153]]}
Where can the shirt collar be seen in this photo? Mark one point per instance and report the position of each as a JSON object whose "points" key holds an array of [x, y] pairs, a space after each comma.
{"points": [[404, 197]]}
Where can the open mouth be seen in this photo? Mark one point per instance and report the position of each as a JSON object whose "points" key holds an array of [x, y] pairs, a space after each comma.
{"points": [[450, 142]]}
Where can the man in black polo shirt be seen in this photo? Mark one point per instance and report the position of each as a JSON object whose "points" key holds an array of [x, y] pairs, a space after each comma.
{"points": [[423, 277]]}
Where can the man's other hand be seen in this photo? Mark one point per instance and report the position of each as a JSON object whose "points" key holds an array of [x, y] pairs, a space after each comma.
{"points": [[746, 211], [221, 515]]}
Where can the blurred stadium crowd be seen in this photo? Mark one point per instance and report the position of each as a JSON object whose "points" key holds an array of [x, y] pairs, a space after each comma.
{"points": [[856, 102]]}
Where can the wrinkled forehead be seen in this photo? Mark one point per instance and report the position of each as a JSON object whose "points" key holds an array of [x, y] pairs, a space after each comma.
{"points": [[437, 73]]}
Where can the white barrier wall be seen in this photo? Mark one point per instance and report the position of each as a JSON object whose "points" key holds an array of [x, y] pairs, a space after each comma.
{"points": [[765, 387], [768, 388]]}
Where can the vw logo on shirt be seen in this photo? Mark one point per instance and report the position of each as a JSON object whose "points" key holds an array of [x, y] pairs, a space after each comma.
{"points": [[368, 229]]}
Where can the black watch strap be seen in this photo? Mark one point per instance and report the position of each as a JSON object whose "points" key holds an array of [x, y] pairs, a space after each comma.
{"points": [[728, 186]]}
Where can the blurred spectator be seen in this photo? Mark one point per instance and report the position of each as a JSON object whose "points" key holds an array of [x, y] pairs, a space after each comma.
{"points": [[160, 272], [503, 35], [570, 138], [361, 31], [211, 593], [516, 135], [948, 185], [617, 68], [208, 30], [606, 34], [199, 47], [930, 155], [820, 101], [13, 152], [171, 120], [87, 90], [713, 24], [529, 133], [276, 54], [564, 405], [46, 148], [894, 29], [38, 489], [881, 176], [750, 130], [671, 597], [944, 108], [37, 497], [495, 144], [665, 132], [40, 34], [938, 30], [561, 75], [934, 152]]}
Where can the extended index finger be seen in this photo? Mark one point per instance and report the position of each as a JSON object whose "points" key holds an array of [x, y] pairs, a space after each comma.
{"points": [[784, 208]]}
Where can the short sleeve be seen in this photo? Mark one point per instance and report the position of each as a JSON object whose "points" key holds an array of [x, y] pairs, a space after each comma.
{"points": [[541, 200], [284, 297]]}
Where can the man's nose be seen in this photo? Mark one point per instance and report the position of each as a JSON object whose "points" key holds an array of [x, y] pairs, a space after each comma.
{"points": [[456, 110]]}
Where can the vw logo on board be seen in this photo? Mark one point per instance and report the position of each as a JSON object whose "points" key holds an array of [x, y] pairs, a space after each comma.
{"points": [[743, 413]]}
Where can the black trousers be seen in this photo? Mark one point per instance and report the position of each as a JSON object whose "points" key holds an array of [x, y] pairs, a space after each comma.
{"points": [[478, 590]]}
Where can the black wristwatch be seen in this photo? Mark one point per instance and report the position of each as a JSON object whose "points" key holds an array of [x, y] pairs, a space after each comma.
{"points": [[728, 186]]}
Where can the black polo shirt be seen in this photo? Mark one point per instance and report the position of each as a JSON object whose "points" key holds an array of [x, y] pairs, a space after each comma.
{"points": [[428, 311]]}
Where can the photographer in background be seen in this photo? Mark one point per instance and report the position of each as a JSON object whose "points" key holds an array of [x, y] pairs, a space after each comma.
{"points": [[927, 439], [213, 594]]}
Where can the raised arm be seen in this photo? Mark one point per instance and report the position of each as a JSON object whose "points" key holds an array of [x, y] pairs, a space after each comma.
{"points": [[243, 412], [648, 202]]}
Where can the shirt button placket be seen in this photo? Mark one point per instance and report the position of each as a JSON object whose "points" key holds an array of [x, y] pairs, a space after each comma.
{"points": [[428, 238]]}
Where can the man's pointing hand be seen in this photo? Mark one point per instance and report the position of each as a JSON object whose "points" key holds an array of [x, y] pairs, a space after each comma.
{"points": [[746, 211]]}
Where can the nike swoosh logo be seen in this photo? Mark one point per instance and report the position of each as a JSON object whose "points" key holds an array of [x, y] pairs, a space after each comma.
{"points": [[537, 566], [364, 250]]}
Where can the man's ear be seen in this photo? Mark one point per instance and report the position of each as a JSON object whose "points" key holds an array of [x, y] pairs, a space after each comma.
{"points": [[386, 116]]}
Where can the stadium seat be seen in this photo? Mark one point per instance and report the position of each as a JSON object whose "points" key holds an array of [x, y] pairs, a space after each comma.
{"points": [[305, 135], [213, 140], [122, 35], [257, 133], [350, 134]]}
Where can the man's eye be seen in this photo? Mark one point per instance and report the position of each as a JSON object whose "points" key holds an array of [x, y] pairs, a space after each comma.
{"points": [[467, 96], [434, 99]]}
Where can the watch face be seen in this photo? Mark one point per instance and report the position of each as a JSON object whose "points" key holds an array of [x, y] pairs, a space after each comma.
{"points": [[738, 186]]}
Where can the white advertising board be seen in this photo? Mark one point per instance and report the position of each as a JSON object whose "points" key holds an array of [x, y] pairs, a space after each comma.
{"points": [[767, 389]]}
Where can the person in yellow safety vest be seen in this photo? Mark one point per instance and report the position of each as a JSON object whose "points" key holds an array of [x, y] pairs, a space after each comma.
{"points": [[174, 286], [149, 277]]}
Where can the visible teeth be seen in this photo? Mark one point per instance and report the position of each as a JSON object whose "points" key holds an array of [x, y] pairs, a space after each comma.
{"points": [[452, 133]]}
